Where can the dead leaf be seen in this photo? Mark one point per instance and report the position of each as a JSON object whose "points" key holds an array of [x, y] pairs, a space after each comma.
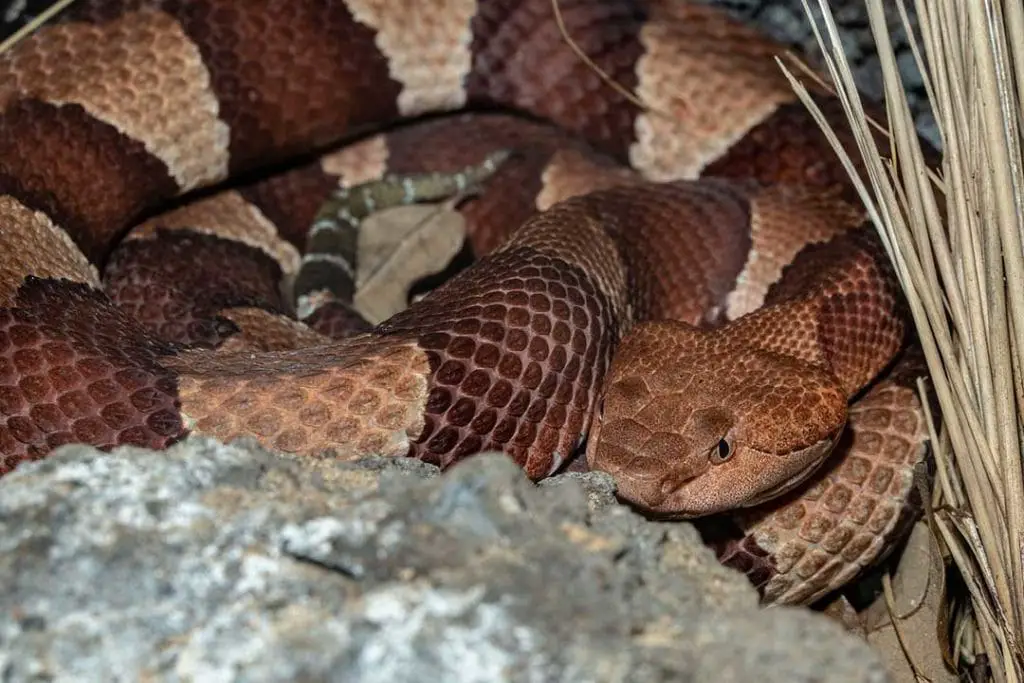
{"points": [[398, 247], [918, 610]]}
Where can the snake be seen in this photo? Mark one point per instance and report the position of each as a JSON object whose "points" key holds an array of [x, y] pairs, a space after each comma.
{"points": [[673, 281]]}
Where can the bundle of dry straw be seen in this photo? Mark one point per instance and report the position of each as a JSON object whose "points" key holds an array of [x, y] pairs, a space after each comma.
{"points": [[955, 236]]}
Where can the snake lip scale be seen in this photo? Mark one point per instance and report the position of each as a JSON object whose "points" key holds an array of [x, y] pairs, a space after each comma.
{"points": [[700, 270]]}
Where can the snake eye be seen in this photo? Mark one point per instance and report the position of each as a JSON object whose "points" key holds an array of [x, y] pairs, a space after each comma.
{"points": [[721, 452]]}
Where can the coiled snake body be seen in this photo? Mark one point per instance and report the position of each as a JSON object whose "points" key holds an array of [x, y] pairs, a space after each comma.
{"points": [[708, 335]]}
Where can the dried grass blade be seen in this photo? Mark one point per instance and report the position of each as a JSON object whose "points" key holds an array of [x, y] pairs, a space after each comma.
{"points": [[970, 322]]}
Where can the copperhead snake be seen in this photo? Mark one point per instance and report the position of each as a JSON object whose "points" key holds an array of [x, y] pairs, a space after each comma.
{"points": [[708, 335]]}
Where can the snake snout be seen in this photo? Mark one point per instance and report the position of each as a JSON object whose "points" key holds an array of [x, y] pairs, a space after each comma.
{"points": [[648, 468]]}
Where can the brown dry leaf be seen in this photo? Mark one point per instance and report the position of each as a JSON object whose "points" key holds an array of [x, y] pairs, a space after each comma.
{"points": [[398, 247], [918, 609]]}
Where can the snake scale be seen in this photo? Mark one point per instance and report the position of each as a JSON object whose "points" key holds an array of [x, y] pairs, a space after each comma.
{"points": [[689, 284]]}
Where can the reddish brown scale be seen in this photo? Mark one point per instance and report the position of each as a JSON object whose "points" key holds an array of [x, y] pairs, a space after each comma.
{"points": [[337, 320], [73, 368], [92, 177], [508, 198], [502, 334], [789, 148], [684, 246], [740, 552], [553, 82], [291, 200], [862, 312], [178, 282], [271, 115], [344, 78], [55, 159]]}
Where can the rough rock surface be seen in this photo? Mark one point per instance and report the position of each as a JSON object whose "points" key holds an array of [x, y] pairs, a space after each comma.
{"points": [[226, 563]]}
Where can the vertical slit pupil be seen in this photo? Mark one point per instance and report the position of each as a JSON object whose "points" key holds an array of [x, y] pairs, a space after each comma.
{"points": [[724, 449]]}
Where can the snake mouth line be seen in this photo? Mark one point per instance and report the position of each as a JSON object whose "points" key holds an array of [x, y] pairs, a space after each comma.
{"points": [[825, 446], [781, 488], [715, 489]]}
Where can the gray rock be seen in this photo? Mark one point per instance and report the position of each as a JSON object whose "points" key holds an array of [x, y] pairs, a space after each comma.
{"points": [[226, 563]]}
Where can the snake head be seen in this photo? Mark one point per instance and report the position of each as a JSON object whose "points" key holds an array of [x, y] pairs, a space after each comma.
{"points": [[692, 423]]}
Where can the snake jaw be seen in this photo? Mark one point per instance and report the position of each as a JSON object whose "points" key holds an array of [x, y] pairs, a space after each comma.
{"points": [[815, 456]]}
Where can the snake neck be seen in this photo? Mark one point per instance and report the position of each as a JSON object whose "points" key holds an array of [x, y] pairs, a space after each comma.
{"points": [[837, 307]]}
